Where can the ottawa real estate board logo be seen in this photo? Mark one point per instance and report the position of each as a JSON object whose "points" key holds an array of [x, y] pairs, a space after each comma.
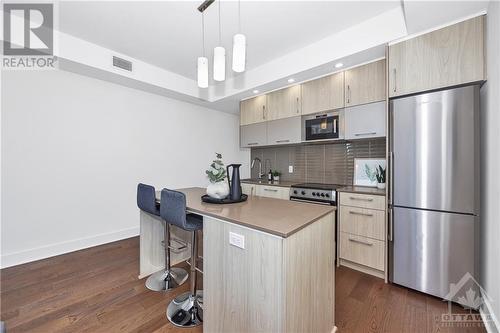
{"points": [[28, 36]]}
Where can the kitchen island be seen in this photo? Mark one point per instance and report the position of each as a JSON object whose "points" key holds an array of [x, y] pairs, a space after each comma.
{"points": [[280, 275]]}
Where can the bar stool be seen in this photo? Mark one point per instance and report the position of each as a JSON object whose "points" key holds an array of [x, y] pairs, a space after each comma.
{"points": [[186, 310], [170, 277]]}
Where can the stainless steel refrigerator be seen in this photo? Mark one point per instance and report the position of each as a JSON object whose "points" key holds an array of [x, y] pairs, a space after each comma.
{"points": [[434, 189]]}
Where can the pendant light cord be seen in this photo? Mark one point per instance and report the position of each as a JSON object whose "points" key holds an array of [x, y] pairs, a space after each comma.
{"points": [[203, 32], [239, 15], [220, 34]]}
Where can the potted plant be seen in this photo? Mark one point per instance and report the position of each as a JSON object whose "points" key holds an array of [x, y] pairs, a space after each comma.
{"points": [[216, 173], [276, 175], [380, 174]]}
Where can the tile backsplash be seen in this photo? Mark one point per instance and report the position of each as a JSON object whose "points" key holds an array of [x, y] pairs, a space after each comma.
{"points": [[323, 163]]}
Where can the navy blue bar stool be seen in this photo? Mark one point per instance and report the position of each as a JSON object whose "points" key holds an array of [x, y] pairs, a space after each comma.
{"points": [[186, 310], [171, 277]]}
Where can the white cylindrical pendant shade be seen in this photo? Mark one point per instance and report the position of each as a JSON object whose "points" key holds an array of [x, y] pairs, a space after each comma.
{"points": [[219, 63], [239, 52], [202, 72]]}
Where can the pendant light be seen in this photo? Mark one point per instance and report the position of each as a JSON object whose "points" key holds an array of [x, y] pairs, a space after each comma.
{"points": [[219, 57], [203, 61], [239, 46]]}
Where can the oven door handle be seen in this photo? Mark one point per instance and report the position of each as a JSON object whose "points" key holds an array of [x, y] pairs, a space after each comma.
{"points": [[311, 201]]}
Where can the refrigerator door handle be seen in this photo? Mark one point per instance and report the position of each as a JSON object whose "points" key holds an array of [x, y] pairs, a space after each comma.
{"points": [[391, 177], [391, 225]]}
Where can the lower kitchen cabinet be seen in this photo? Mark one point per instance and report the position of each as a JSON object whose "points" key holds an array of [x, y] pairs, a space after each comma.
{"points": [[276, 192], [362, 232], [248, 189], [365, 121], [253, 135]]}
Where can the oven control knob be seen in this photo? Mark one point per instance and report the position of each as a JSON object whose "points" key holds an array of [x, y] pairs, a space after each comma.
{"points": [[323, 194], [314, 194], [294, 191], [327, 195], [303, 192]]}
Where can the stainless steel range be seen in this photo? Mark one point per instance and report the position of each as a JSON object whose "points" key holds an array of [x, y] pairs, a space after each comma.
{"points": [[315, 193]]}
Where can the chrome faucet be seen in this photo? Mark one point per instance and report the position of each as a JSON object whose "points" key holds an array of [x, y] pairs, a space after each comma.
{"points": [[260, 166]]}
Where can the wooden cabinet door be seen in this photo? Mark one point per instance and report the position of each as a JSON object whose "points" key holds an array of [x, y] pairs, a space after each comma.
{"points": [[365, 84], [365, 121], [253, 110], [284, 103], [323, 94], [450, 56], [248, 189]]}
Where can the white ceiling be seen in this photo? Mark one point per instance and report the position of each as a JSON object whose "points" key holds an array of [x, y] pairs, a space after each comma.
{"points": [[302, 39], [423, 15], [167, 34]]}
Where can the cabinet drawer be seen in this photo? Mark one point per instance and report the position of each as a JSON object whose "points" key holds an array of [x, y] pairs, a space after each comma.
{"points": [[363, 222], [362, 200], [362, 250], [273, 192]]}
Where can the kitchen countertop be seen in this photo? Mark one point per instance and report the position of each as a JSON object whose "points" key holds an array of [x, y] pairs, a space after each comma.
{"points": [[274, 216], [267, 183], [362, 190]]}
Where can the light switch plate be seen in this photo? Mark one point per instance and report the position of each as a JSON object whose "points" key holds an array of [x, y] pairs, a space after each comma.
{"points": [[290, 169], [237, 240]]}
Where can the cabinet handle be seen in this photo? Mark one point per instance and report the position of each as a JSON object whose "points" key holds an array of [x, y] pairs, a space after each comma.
{"points": [[364, 134], [270, 190], [359, 241], [361, 199], [263, 112], [358, 213], [348, 94], [297, 105], [252, 143], [394, 76], [280, 141]]}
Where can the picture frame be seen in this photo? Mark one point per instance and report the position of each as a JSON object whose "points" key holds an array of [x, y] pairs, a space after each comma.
{"points": [[364, 171]]}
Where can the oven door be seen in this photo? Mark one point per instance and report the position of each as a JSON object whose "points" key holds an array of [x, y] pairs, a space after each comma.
{"points": [[322, 127]]}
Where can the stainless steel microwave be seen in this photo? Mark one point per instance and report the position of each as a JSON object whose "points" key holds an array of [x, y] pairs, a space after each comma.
{"points": [[323, 126]]}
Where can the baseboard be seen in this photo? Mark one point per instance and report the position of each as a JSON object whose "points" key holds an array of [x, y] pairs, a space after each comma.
{"points": [[17, 258], [492, 326]]}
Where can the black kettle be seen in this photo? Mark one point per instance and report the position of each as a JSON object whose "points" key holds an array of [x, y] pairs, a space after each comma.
{"points": [[234, 182]]}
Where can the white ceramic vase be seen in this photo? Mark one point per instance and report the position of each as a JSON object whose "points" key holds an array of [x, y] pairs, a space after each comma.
{"points": [[381, 186], [219, 190]]}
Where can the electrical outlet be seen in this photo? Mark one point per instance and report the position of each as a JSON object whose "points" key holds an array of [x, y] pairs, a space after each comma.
{"points": [[237, 240], [290, 169]]}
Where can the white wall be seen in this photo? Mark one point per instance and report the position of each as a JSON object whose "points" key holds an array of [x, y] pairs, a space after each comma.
{"points": [[490, 162], [74, 149]]}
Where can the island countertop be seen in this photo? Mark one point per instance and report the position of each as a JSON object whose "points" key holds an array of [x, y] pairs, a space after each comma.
{"points": [[274, 216]]}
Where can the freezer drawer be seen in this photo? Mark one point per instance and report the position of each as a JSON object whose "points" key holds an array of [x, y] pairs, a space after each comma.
{"points": [[431, 249]]}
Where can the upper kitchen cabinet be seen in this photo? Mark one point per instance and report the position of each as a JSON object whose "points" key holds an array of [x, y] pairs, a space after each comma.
{"points": [[284, 103], [365, 121], [450, 56], [323, 94], [253, 110], [365, 84]]}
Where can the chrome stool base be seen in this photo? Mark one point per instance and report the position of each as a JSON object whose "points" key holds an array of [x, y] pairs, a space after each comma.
{"points": [[167, 280], [186, 310]]}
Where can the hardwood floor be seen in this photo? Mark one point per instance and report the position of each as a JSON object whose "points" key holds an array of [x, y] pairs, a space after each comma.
{"points": [[97, 290]]}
